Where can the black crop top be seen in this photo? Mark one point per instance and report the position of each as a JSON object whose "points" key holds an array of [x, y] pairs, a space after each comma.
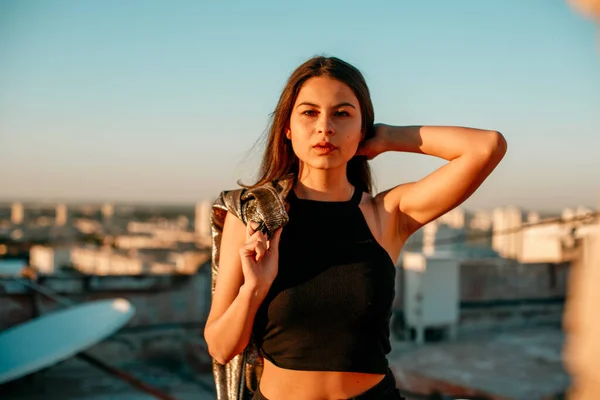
{"points": [[330, 305]]}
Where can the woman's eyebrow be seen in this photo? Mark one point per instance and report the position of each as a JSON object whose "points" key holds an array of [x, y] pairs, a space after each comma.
{"points": [[306, 103]]}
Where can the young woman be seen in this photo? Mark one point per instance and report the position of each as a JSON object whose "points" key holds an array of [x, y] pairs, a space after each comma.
{"points": [[317, 295]]}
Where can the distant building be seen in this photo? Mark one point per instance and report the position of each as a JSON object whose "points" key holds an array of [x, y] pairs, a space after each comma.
{"points": [[533, 217], [440, 238], [17, 213], [61, 215], [153, 227], [183, 221], [583, 211], [107, 210], [429, 234], [92, 261], [555, 242], [581, 214], [102, 261], [87, 226], [507, 237], [481, 220], [175, 235], [544, 243], [163, 232], [48, 260], [141, 241], [202, 222], [454, 218]]}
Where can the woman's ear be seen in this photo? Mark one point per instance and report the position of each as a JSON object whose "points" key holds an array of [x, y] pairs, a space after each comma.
{"points": [[288, 134]]}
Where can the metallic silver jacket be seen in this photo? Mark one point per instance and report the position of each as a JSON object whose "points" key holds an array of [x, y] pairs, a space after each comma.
{"points": [[266, 205]]}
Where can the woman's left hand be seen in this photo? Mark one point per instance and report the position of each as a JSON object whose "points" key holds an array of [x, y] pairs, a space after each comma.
{"points": [[376, 145]]}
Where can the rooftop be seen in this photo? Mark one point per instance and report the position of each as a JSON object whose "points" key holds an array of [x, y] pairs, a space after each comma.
{"points": [[523, 364]]}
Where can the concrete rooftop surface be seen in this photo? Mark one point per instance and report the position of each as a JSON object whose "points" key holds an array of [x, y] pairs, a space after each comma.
{"points": [[520, 364], [75, 379], [523, 364]]}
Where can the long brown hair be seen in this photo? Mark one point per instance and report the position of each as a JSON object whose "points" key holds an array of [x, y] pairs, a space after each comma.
{"points": [[279, 159]]}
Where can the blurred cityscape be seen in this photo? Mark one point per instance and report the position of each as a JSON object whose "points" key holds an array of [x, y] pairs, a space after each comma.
{"points": [[480, 297], [157, 257]]}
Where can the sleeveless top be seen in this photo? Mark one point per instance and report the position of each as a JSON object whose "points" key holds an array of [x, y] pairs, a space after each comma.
{"points": [[330, 305]]}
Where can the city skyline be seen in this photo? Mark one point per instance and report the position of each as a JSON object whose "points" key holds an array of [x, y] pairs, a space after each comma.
{"points": [[163, 104]]}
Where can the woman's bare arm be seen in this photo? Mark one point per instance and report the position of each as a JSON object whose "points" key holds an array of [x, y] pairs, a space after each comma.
{"points": [[234, 303], [472, 154]]}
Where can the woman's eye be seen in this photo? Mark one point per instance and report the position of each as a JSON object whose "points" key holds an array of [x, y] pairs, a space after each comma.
{"points": [[313, 113]]}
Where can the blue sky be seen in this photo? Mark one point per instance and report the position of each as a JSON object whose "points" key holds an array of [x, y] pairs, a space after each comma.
{"points": [[160, 101]]}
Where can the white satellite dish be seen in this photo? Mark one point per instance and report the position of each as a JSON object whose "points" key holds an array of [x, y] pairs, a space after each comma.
{"points": [[11, 268], [56, 336]]}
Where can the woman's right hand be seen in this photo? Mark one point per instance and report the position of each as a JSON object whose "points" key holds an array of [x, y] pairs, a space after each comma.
{"points": [[260, 257]]}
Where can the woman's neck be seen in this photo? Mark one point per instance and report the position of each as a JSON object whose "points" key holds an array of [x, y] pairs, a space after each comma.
{"points": [[323, 185]]}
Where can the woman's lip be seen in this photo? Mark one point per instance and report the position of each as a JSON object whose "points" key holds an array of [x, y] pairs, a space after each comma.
{"points": [[327, 145], [324, 149]]}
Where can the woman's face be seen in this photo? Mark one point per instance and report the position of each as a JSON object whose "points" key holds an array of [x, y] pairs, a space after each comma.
{"points": [[325, 124]]}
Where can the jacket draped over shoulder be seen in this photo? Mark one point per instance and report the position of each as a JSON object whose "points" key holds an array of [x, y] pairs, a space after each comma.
{"points": [[266, 205]]}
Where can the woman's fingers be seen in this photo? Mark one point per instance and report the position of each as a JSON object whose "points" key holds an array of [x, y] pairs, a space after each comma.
{"points": [[253, 249], [261, 249], [250, 227], [256, 242]]}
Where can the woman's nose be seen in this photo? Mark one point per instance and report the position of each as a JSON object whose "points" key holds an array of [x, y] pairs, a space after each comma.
{"points": [[325, 125]]}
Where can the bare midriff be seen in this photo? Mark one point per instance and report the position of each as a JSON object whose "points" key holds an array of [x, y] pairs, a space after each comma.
{"points": [[278, 383]]}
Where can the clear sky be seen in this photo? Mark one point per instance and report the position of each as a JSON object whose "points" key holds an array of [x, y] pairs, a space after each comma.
{"points": [[162, 101]]}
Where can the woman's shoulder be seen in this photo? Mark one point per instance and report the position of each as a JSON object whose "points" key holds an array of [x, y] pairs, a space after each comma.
{"points": [[265, 204], [280, 186]]}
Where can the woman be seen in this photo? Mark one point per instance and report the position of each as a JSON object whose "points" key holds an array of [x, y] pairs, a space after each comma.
{"points": [[317, 295]]}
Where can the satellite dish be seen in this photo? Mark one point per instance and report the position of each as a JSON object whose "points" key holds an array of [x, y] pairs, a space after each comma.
{"points": [[56, 336], [11, 268]]}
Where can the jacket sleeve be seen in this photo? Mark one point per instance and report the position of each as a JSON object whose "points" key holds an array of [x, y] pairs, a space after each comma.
{"points": [[229, 377], [239, 378]]}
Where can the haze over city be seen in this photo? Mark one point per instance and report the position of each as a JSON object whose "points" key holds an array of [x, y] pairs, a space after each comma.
{"points": [[163, 103]]}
